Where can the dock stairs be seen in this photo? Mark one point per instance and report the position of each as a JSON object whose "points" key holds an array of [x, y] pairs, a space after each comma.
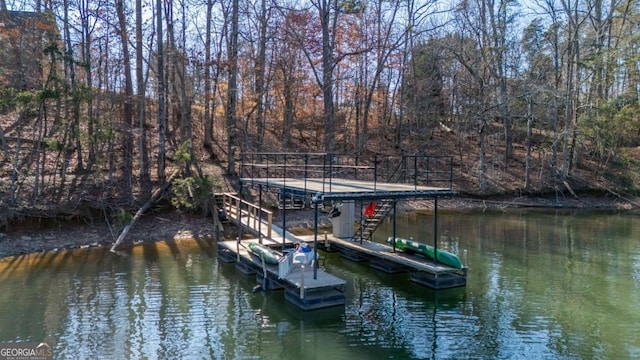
{"points": [[372, 219]]}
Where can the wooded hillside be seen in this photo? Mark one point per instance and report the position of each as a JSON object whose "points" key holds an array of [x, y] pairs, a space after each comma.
{"points": [[535, 98]]}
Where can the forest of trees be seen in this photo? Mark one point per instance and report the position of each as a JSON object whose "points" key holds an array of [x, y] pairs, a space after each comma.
{"points": [[125, 90]]}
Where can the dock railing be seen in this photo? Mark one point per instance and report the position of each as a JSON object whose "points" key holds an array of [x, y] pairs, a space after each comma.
{"points": [[430, 170], [248, 214]]}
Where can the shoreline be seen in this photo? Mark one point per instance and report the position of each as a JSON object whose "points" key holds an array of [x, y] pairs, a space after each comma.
{"points": [[173, 225]]}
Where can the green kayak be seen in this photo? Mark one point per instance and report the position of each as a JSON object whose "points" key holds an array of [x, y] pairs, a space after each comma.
{"points": [[270, 256], [410, 246]]}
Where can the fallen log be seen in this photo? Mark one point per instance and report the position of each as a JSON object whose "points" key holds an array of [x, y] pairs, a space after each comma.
{"points": [[620, 196], [156, 196]]}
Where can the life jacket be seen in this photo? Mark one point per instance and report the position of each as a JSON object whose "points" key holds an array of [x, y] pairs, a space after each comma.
{"points": [[370, 209]]}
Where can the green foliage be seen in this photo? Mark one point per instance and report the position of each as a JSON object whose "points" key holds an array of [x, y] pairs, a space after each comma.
{"points": [[192, 193], [7, 99], [48, 94], [122, 218], [183, 153], [52, 48], [54, 144], [624, 170], [423, 98], [613, 125], [352, 6], [83, 93], [25, 98]]}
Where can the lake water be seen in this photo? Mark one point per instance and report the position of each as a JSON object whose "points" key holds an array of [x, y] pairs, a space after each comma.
{"points": [[541, 285]]}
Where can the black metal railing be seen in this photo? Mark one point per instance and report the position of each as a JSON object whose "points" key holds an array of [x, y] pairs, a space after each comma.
{"points": [[419, 170]]}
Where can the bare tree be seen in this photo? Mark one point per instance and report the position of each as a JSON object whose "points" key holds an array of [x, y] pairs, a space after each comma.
{"points": [[261, 64], [127, 111], [162, 116], [499, 19], [472, 52], [232, 90], [208, 122], [572, 82], [328, 14], [385, 44], [145, 174], [74, 137], [182, 100]]}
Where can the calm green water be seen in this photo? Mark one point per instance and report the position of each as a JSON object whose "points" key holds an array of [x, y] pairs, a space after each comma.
{"points": [[540, 286]]}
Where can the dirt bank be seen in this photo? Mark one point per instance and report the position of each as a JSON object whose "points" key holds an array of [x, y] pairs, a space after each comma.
{"points": [[32, 237]]}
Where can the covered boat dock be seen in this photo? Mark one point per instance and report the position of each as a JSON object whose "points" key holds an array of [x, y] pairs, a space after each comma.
{"points": [[340, 182]]}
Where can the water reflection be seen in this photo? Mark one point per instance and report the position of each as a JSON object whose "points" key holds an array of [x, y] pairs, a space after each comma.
{"points": [[540, 286]]}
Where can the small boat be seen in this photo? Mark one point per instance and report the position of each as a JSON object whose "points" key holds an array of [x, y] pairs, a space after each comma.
{"points": [[410, 246], [263, 251]]}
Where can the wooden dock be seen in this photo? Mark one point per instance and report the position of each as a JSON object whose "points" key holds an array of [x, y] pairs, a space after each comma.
{"points": [[304, 286]]}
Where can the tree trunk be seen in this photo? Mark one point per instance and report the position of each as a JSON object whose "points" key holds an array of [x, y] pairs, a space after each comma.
{"points": [[157, 195], [260, 73], [208, 123], [127, 136], [527, 166], [145, 172], [5, 147], [87, 59], [288, 110], [483, 157], [326, 19], [74, 138], [162, 117], [179, 91], [232, 92]]}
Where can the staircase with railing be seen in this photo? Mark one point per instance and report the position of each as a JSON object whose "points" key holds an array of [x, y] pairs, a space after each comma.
{"points": [[371, 221]]}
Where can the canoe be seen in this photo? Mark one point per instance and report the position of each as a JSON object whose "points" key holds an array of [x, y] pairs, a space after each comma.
{"points": [[270, 256], [410, 246]]}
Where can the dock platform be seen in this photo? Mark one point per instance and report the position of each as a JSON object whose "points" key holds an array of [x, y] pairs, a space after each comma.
{"points": [[421, 270], [304, 286]]}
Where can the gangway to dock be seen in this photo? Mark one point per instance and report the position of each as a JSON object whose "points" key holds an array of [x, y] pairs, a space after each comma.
{"points": [[255, 219]]}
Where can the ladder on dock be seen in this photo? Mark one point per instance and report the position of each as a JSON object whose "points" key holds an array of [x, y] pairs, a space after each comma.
{"points": [[369, 224]]}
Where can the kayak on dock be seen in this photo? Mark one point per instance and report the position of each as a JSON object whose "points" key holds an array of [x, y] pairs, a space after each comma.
{"points": [[263, 251], [410, 246]]}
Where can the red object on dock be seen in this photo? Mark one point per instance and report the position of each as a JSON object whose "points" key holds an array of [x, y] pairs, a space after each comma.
{"points": [[370, 209]]}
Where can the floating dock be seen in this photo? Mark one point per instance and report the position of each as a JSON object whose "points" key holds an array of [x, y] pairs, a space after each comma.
{"points": [[305, 286], [382, 257]]}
